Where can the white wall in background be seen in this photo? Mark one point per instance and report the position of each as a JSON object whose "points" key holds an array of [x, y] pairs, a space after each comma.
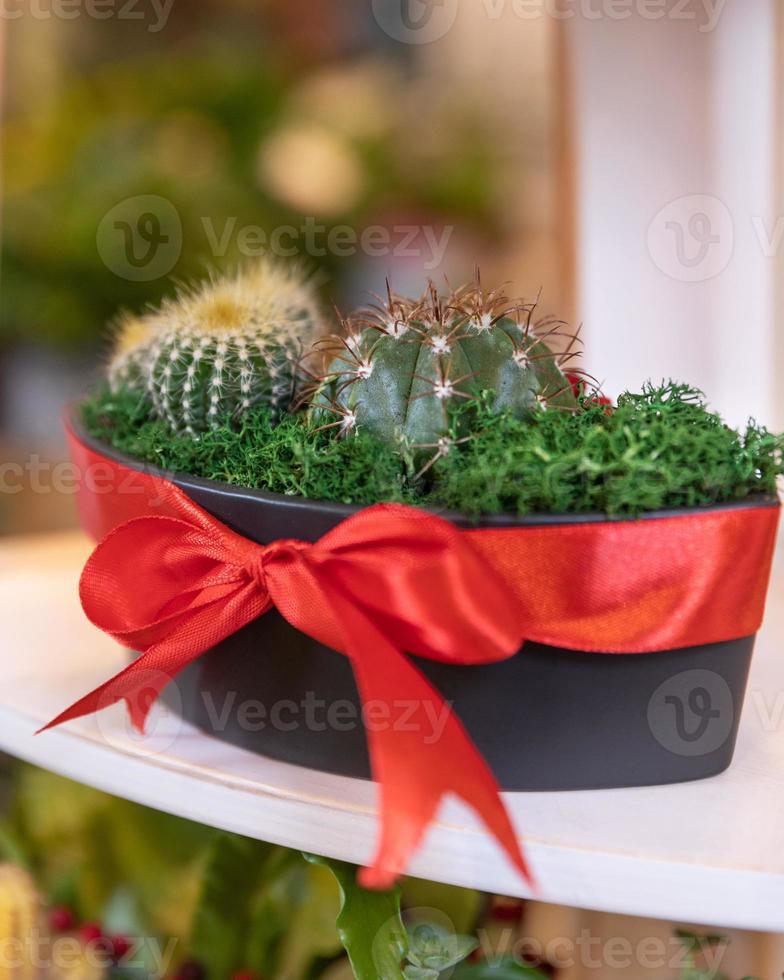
{"points": [[501, 59], [677, 201]]}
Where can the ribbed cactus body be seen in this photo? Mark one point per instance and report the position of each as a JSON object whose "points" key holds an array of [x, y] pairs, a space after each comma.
{"points": [[213, 354], [400, 368], [197, 378], [132, 337]]}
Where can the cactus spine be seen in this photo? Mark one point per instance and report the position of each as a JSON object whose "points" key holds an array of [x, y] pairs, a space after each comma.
{"points": [[401, 365], [215, 352], [132, 336]]}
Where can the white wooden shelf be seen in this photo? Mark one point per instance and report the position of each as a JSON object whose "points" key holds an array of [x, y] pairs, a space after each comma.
{"points": [[710, 852]]}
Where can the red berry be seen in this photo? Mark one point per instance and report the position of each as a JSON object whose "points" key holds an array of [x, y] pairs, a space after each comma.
{"points": [[61, 918], [121, 947], [507, 911], [190, 970], [579, 390], [244, 975], [90, 932], [576, 382], [603, 400]]}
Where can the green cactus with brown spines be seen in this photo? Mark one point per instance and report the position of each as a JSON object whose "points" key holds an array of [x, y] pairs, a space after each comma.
{"points": [[400, 366], [217, 351]]}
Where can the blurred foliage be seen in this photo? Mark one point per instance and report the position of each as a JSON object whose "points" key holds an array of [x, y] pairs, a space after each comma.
{"points": [[227, 133], [180, 127], [216, 906], [501, 969], [695, 948], [224, 903]]}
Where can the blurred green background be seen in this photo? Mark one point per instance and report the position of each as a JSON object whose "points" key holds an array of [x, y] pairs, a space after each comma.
{"points": [[143, 150]]}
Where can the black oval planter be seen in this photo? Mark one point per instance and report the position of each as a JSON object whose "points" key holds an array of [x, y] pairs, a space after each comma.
{"points": [[546, 719]]}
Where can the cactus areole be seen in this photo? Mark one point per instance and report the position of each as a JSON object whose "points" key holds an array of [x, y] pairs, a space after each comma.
{"points": [[400, 366]]}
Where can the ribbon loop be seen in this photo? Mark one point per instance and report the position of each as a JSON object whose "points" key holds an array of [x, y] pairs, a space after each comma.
{"points": [[173, 587]]}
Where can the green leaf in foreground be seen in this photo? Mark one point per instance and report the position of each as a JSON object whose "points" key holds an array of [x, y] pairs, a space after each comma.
{"points": [[370, 926], [433, 949], [231, 876], [293, 924], [504, 969]]}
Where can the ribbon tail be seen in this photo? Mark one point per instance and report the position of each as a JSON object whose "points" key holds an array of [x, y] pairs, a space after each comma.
{"points": [[419, 752], [138, 684]]}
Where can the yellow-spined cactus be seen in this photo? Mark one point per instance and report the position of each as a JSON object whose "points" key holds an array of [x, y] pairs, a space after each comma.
{"points": [[218, 350], [133, 336]]}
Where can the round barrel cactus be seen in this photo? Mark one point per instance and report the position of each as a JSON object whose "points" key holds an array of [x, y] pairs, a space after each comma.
{"points": [[132, 336], [222, 348], [400, 366]]}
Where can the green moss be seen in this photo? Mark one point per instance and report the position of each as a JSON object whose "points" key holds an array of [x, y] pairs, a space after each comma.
{"points": [[657, 449], [289, 457]]}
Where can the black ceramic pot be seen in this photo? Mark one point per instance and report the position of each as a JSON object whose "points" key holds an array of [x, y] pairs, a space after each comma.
{"points": [[546, 719]]}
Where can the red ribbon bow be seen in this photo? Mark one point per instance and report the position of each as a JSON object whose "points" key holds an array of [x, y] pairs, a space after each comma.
{"points": [[393, 579], [388, 579]]}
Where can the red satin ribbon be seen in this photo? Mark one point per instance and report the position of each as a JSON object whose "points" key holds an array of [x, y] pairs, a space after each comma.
{"points": [[171, 581]]}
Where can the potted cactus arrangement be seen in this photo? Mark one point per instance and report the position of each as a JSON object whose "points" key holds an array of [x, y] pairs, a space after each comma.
{"points": [[427, 512]]}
